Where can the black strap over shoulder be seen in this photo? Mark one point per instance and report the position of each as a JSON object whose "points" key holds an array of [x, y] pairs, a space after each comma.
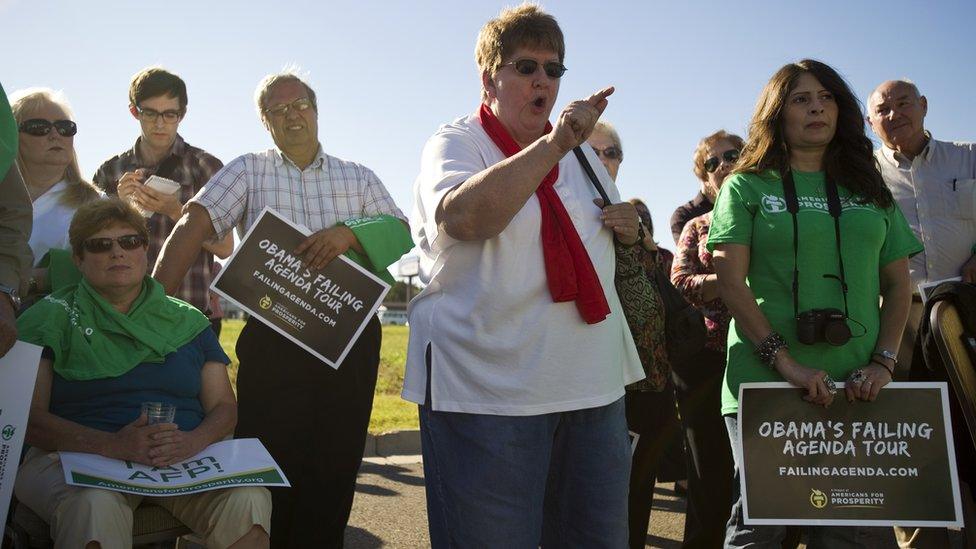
{"points": [[581, 156], [835, 210]]}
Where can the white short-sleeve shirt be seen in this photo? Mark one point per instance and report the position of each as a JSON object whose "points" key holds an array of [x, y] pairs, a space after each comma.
{"points": [[499, 344]]}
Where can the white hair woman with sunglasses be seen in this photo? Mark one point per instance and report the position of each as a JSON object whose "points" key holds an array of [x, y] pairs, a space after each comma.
{"points": [[49, 165], [698, 380], [519, 351], [138, 346]]}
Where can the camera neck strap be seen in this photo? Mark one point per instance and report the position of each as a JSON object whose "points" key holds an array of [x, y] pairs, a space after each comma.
{"points": [[834, 207]]}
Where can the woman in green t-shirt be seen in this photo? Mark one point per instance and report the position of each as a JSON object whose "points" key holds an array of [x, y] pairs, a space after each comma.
{"points": [[807, 134]]}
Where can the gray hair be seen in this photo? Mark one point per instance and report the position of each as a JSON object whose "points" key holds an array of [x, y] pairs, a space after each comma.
{"points": [[903, 81], [288, 74], [607, 129]]}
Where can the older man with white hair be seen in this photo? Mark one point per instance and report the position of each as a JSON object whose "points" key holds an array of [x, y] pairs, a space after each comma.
{"points": [[934, 184], [312, 418]]}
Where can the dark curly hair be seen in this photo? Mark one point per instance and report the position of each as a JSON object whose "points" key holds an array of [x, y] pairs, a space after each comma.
{"points": [[849, 159]]}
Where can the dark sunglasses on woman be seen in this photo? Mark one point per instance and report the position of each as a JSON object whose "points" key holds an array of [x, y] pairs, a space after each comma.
{"points": [[41, 127], [729, 156], [612, 152], [126, 242], [528, 67]]}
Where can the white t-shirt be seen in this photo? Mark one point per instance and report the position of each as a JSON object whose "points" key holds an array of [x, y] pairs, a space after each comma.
{"points": [[51, 222], [499, 344]]}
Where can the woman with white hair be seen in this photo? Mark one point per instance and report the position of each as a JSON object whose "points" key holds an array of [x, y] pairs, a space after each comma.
{"points": [[48, 162]]}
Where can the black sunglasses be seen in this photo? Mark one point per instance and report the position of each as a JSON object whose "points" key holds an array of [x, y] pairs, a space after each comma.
{"points": [[40, 127], [126, 242], [528, 67], [729, 156], [612, 152]]}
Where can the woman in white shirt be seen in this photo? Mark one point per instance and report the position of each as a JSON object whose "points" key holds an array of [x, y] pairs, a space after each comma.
{"points": [[49, 165], [519, 351]]}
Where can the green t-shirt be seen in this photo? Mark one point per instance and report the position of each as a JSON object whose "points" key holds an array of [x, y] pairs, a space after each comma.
{"points": [[751, 210]]}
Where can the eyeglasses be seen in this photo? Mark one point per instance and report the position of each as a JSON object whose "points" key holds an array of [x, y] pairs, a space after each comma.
{"points": [[300, 104], [527, 67], [126, 242], [150, 115], [729, 156], [612, 152], [41, 127]]}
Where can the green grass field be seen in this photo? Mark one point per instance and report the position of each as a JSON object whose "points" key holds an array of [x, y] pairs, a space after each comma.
{"points": [[389, 410]]}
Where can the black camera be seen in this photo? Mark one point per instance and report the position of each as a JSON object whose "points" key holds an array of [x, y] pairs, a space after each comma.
{"points": [[823, 325]]}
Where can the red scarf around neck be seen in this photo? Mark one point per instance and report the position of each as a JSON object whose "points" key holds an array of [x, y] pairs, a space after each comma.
{"points": [[569, 271]]}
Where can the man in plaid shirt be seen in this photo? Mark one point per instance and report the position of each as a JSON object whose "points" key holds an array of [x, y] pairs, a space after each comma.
{"points": [[157, 99], [311, 418]]}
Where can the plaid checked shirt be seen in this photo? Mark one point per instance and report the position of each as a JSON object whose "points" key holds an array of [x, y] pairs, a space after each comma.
{"points": [[328, 191], [192, 170]]}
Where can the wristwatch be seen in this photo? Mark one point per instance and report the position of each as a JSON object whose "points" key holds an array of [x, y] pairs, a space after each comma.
{"points": [[885, 353], [13, 295]]}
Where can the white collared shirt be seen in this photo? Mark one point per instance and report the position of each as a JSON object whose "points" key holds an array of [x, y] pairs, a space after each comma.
{"points": [[937, 193], [499, 345], [51, 221], [326, 192]]}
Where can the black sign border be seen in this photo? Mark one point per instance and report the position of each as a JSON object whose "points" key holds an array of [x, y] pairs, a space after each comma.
{"points": [[305, 231], [950, 448]]}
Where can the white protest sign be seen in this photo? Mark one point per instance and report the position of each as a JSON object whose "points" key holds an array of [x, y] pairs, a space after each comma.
{"points": [[225, 464], [18, 371]]}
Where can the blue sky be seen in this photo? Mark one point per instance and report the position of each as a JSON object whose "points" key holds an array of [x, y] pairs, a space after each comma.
{"points": [[388, 73]]}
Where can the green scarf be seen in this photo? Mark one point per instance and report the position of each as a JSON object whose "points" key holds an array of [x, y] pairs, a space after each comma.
{"points": [[384, 238], [92, 340], [8, 135]]}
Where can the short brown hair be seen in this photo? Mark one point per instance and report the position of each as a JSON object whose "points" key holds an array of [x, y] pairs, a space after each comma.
{"points": [[523, 26], [705, 143], [99, 214], [154, 82]]}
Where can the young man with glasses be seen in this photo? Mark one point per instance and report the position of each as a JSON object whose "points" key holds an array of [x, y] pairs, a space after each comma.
{"points": [[311, 418], [158, 99]]}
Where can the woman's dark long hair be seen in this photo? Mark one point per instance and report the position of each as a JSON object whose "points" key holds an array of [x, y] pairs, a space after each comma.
{"points": [[849, 159]]}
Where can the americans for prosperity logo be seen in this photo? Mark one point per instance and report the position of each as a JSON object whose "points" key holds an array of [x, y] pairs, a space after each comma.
{"points": [[773, 204], [265, 302], [817, 498]]}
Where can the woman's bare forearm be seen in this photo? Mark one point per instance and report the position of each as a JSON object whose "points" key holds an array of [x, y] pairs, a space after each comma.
{"points": [[481, 207]]}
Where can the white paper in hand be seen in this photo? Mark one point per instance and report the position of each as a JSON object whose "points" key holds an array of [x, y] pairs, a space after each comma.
{"points": [[161, 184]]}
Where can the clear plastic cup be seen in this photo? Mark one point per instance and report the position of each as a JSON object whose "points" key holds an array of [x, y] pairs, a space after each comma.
{"points": [[159, 412]]}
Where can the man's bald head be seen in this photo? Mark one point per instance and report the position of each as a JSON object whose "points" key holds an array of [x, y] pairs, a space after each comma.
{"points": [[896, 113]]}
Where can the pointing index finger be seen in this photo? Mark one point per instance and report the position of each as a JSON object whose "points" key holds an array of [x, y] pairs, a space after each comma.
{"points": [[599, 99]]}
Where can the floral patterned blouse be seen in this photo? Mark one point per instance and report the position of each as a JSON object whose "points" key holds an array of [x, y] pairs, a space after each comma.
{"points": [[691, 265], [645, 311]]}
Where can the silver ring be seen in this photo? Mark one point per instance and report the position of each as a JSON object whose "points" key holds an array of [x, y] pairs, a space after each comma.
{"points": [[829, 383], [857, 376]]}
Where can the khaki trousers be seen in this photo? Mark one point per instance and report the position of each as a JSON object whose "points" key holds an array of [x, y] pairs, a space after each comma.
{"points": [[81, 515]]}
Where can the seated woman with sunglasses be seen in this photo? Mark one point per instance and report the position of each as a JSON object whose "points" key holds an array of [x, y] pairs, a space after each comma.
{"points": [[807, 149], [698, 381], [49, 165], [112, 342]]}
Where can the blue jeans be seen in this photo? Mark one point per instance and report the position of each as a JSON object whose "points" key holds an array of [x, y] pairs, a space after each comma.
{"points": [[555, 480], [738, 534]]}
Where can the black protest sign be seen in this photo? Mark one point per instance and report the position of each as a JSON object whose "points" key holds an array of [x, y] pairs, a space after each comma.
{"points": [[321, 311], [883, 463]]}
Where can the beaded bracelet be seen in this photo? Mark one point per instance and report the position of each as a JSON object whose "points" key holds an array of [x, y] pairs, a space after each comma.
{"points": [[768, 348]]}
